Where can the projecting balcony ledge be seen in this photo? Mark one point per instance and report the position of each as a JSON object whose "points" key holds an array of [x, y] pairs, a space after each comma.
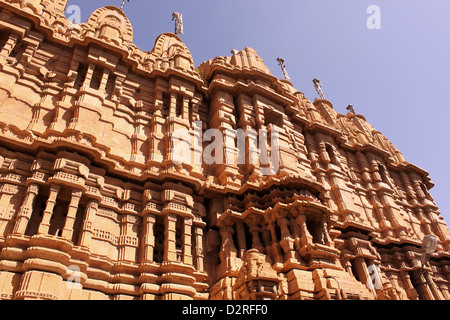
{"points": [[53, 242], [172, 266], [48, 254], [16, 240], [178, 278], [44, 265], [177, 288]]}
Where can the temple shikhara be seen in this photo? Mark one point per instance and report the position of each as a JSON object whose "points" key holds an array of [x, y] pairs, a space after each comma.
{"points": [[94, 205]]}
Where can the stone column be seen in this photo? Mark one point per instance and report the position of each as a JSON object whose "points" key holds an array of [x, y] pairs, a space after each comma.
{"points": [[423, 285], [256, 241], [170, 240], [149, 237], [25, 211], [296, 233], [305, 237], [104, 81], [48, 212], [374, 273], [423, 221], [86, 233], [8, 47], [433, 288], [198, 231], [71, 214], [185, 111], [266, 239], [173, 105], [227, 249], [187, 241], [128, 242], [410, 290], [89, 73], [363, 272], [275, 246], [445, 291], [241, 239], [287, 243]]}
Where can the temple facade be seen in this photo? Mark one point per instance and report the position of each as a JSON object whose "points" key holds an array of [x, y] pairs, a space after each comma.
{"points": [[95, 206]]}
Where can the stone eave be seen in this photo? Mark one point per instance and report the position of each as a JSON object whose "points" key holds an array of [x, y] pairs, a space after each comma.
{"points": [[237, 72], [250, 89], [318, 126]]}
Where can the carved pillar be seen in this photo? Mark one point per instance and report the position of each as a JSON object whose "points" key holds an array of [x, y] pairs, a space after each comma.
{"points": [[149, 237], [266, 239], [71, 214], [423, 221], [198, 233], [156, 156], [90, 72], [256, 241], [104, 81], [185, 111], [438, 295], [363, 272], [445, 291], [187, 241], [228, 249], [325, 235], [410, 290], [374, 275], [128, 242], [48, 212], [275, 246], [8, 47], [173, 105], [241, 239], [296, 232], [305, 235], [25, 211], [86, 233], [287, 243], [423, 286], [170, 240]]}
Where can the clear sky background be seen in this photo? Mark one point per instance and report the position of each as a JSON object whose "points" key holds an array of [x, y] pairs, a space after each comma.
{"points": [[398, 77]]}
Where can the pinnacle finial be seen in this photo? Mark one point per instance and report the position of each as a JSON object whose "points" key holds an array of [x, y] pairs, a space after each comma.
{"points": [[123, 3], [318, 88], [350, 108], [281, 62], [178, 17]]}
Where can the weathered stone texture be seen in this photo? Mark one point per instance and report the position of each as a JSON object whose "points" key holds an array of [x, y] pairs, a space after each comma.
{"points": [[93, 204]]}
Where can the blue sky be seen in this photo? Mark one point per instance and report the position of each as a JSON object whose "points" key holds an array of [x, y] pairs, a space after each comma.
{"points": [[398, 77]]}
